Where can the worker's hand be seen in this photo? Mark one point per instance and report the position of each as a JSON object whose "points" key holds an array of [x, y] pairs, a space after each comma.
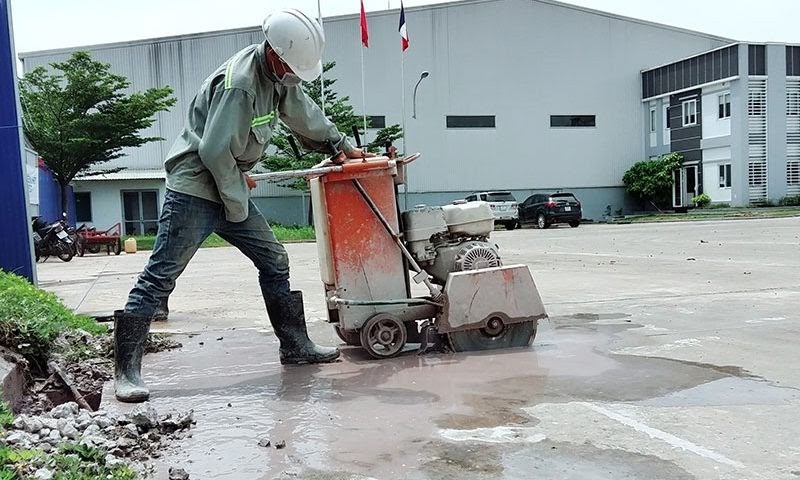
{"points": [[251, 184], [356, 153]]}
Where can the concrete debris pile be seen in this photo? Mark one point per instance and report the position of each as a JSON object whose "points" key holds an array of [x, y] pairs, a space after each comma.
{"points": [[132, 438]]}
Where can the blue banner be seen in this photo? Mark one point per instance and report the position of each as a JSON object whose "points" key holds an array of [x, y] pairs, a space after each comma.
{"points": [[15, 254]]}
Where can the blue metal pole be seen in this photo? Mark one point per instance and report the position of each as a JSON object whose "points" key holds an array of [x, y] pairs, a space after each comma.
{"points": [[15, 253]]}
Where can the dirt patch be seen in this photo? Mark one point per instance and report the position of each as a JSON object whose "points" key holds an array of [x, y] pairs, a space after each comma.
{"points": [[471, 461], [58, 413], [85, 362]]}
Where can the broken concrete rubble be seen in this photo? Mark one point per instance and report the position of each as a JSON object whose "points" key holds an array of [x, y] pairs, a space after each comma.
{"points": [[133, 438]]}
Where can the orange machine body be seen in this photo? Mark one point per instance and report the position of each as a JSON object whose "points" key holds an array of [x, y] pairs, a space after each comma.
{"points": [[359, 259]]}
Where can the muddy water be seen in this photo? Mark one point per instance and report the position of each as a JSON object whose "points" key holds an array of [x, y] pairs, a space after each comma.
{"points": [[431, 417]]}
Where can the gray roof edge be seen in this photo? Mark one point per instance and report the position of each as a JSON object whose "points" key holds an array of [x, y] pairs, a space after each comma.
{"points": [[455, 3], [555, 3], [142, 41]]}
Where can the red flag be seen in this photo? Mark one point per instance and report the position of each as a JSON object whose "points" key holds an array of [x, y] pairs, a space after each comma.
{"points": [[403, 31], [364, 32]]}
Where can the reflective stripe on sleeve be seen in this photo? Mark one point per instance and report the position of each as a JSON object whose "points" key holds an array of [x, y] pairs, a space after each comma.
{"points": [[262, 120]]}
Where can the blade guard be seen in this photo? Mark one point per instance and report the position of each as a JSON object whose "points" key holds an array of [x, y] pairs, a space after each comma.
{"points": [[472, 297]]}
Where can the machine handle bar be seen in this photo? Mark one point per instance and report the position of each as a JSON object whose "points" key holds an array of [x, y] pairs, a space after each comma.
{"points": [[320, 170]]}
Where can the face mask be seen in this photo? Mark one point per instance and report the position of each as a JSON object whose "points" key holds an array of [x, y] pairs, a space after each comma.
{"points": [[288, 79]]}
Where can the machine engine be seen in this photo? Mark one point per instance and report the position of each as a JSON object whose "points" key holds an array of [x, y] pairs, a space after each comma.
{"points": [[451, 238]]}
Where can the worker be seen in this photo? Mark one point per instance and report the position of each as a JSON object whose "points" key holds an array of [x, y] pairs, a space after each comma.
{"points": [[227, 129]]}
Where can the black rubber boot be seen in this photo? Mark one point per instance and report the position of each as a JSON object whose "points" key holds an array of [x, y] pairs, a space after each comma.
{"points": [[162, 311], [130, 336], [289, 322]]}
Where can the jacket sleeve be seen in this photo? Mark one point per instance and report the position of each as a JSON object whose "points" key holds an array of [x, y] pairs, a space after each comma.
{"points": [[225, 136], [306, 120]]}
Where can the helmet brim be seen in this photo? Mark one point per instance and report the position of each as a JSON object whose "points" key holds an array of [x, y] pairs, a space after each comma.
{"points": [[307, 74]]}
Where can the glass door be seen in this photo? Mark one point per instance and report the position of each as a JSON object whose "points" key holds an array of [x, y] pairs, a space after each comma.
{"points": [[140, 212]]}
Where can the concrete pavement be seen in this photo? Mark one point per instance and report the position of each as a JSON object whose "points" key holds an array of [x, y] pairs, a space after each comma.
{"points": [[670, 353]]}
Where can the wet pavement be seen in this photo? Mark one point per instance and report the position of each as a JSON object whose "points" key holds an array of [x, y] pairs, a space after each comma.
{"points": [[670, 353]]}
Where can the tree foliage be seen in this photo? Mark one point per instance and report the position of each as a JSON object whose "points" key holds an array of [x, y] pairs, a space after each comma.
{"points": [[652, 180], [77, 116], [340, 112]]}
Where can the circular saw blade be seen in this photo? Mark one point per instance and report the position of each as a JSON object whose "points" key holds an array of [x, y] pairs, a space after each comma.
{"points": [[513, 335]]}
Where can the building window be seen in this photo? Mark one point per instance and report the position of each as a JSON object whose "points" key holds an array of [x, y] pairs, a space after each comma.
{"points": [[724, 105], [83, 206], [140, 212], [470, 121], [689, 112], [573, 121], [652, 120], [376, 121], [725, 175]]}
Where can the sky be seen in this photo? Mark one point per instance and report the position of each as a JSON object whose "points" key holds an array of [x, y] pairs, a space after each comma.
{"points": [[50, 24]]}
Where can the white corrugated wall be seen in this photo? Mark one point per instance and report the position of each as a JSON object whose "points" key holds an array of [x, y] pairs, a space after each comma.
{"points": [[519, 60]]}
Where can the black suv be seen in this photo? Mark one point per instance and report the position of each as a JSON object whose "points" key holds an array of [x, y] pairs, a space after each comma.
{"points": [[544, 210]]}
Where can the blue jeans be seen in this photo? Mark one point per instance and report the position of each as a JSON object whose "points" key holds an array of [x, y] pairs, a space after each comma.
{"points": [[186, 221]]}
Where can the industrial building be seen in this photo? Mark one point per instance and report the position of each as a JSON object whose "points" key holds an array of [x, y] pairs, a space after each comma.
{"points": [[734, 115], [523, 95]]}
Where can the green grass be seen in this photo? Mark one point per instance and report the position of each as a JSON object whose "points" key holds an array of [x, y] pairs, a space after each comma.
{"points": [[31, 319], [294, 233], [715, 214], [146, 242], [6, 416], [71, 462], [282, 233]]}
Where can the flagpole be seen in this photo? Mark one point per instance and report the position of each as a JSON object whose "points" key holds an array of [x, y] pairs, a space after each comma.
{"points": [[403, 45], [363, 98], [403, 118], [364, 44], [322, 74]]}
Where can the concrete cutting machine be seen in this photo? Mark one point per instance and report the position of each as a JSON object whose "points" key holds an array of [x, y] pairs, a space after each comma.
{"points": [[370, 253]]}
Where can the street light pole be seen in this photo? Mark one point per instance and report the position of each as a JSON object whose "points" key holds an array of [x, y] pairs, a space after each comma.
{"points": [[424, 74]]}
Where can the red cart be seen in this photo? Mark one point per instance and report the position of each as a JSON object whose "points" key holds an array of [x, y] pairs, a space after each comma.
{"points": [[93, 240]]}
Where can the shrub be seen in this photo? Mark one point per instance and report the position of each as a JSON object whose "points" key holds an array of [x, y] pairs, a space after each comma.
{"points": [[651, 180], [790, 201], [31, 319], [701, 200]]}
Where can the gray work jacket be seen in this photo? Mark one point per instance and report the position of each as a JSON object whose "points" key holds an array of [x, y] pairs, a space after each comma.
{"points": [[229, 125]]}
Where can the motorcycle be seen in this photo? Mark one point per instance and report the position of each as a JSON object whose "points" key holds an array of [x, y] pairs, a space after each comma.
{"points": [[51, 239]]}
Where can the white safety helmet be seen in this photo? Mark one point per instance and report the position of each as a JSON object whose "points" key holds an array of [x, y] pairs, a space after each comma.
{"points": [[297, 40]]}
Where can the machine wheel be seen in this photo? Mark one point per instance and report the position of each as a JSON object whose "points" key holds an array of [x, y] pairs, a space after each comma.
{"points": [[495, 335], [348, 337], [94, 248], [118, 247], [541, 221], [383, 335], [511, 225], [574, 224]]}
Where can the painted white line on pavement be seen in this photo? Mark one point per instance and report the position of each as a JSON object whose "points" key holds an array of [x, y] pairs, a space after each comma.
{"points": [[662, 435]]}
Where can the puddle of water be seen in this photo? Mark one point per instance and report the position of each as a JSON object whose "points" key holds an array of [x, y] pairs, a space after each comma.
{"points": [[379, 419], [593, 317], [728, 391]]}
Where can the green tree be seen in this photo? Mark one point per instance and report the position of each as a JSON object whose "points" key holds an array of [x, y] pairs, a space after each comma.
{"points": [[340, 112], [77, 116], [652, 180]]}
